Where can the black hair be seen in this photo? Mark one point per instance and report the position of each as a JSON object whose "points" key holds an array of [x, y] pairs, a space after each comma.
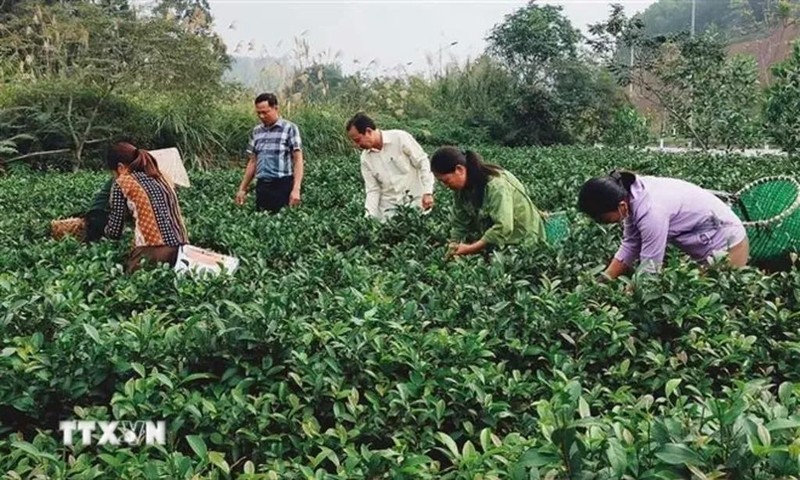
{"points": [[270, 98], [601, 195], [361, 122], [446, 159]]}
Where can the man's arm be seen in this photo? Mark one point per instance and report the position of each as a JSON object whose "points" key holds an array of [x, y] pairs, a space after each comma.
{"points": [[372, 189], [249, 170], [296, 145], [420, 161], [297, 165], [249, 173]]}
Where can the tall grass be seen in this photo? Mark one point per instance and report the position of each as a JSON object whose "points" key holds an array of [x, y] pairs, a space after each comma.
{"points": [[321, 127]]}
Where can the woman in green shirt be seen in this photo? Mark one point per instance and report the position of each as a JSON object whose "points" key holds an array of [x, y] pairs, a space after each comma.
{"points": [[492, 208], [97, 215]]}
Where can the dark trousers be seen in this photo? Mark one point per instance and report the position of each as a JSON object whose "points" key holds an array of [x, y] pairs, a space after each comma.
{"points": [[272, 195]]}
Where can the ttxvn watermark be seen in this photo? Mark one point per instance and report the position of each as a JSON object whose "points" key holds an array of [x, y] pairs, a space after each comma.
{"points": [[114, 433]]}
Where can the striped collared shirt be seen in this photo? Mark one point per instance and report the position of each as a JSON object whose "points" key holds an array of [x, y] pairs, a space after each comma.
{"points": [[273, 147], [154, 206]]}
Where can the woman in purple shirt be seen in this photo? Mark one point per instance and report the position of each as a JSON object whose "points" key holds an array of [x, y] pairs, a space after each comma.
{"points": [[656, 211]]}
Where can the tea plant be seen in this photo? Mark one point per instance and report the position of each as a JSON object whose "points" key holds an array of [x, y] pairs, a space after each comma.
{"points": [[347, 349]]}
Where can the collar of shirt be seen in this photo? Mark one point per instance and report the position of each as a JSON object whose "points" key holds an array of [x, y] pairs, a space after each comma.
{"points": [[278, 124], [386, 138]]}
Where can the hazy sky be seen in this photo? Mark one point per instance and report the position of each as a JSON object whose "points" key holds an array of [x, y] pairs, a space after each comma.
{"points": [[392, 33]]}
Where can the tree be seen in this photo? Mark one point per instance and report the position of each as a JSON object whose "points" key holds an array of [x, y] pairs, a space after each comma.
{"points": [[536, 45], [587, 97], [735, 17], [317, 81], [782, 108], [476, 97], [87, 49], [194, 16], [711, 98], [626, 128], [716, 97], [613, 39], [532, 39]]}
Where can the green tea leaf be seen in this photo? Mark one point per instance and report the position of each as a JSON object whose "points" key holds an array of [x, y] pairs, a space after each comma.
{"points": [[671, 386], [218, 459], [32, 450], [678, 454], [783, 423], [583, 408], [537, 458], [92, 332], [198, 445], [450, 443], [164, 380], [139, 368]]}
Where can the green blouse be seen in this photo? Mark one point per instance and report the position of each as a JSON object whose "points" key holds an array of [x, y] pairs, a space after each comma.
{"points": [[507, 216], [101, 198]]}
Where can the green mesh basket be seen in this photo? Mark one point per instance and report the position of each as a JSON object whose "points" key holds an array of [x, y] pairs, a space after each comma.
{"points": [[770, 211], [556, 226]]}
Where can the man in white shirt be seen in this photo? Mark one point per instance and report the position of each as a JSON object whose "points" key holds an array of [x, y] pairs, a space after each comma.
{"points": [[395, 168]]}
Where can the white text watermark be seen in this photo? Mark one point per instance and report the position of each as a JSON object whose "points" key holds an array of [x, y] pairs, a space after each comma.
{"points": [[114, 433]]}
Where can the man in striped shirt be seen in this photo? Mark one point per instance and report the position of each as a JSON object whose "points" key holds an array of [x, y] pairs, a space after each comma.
{"points": [[275, 158]]}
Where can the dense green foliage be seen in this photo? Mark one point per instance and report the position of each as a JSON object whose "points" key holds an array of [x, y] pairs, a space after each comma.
{"points": [[708, 96], [345, 349], [75, 74], [734, 17], [781, 110]]}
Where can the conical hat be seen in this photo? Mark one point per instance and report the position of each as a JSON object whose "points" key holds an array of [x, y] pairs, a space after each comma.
{"points": [[171, 165]]}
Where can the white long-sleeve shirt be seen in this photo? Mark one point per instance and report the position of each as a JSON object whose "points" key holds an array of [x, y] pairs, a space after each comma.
{"points": [[397, 174]]}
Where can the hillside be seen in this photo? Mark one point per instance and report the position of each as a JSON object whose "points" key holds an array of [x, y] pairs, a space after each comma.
{"points": [[732, 18], [261, 74], [769, 49]]}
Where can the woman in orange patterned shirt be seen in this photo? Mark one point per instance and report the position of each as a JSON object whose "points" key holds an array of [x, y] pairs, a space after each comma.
{"points": [[141, 191]]}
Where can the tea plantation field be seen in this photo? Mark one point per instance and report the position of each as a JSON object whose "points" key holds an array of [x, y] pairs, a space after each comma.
{"points": [[346, 349]]}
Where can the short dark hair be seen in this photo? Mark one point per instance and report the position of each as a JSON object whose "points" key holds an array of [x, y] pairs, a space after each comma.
{"points": [[270, 98], [361, 121]]}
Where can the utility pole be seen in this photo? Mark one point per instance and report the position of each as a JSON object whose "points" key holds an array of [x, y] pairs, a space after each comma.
{"points": [[630, 84], [691, 99]]}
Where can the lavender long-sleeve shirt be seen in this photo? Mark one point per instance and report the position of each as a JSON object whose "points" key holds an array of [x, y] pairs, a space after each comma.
{"points": [[668, 210]]}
